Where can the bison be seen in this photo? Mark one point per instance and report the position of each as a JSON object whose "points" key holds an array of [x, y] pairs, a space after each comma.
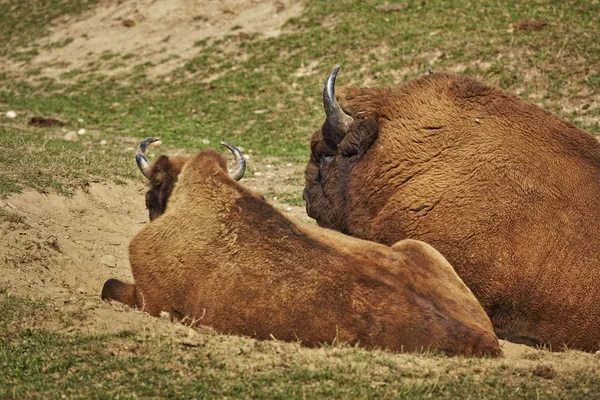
{"points": [[219, 254], [507, 192]]}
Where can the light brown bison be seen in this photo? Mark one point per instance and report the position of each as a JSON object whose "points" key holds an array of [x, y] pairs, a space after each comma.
{"points": [[507, 192], [221, 255]]}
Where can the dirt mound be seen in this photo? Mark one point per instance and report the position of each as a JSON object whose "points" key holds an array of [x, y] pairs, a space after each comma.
{"points": [[161, 32], [56, 246]]}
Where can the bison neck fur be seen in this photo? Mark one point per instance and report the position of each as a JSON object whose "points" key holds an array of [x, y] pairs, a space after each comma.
{"points": [[223, 257], [508, 192]]}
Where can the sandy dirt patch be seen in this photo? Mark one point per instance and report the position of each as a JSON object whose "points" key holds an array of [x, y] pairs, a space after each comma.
{"points": [[161, 32]]}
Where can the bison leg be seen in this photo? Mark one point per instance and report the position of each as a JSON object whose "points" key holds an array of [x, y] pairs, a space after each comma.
{"points": [[122, 292]]}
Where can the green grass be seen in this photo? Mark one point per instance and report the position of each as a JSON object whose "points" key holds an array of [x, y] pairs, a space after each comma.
{"points": [[293, 199], [8, 185], [31, 19], [36, 363], [47, 163], [260, 103]]}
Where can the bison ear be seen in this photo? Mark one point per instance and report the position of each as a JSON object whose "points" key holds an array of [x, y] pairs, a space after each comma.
{"points": [[321, 149], [324, 142], [360, 138], [163, 177], [160, 169]]}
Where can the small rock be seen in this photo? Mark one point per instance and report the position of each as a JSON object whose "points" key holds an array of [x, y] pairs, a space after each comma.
{"points": [[164, 315], [109, 260], [80, 121], [260, 111], [11, 114], [128, 23], [81, 290], [52, 242], [114, 106], [81, 132], [188, 342], [288, 209], [205, 141], [103, 142], [71, 136], [192, 333]]}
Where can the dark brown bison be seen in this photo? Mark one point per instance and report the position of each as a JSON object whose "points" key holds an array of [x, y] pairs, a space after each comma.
{"points": [[507, 192], [222, 256]]}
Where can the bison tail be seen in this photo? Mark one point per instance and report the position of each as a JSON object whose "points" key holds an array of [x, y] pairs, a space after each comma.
{"points": [[122, 292]]}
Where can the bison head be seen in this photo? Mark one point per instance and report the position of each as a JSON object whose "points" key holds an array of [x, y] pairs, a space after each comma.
{"points": [[343, 139], [162, 175]]}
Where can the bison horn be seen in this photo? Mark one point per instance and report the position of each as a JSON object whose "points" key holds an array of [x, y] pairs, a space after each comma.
{"points": [[431, 71], [337, 118], [239, 171], [140, 157]]}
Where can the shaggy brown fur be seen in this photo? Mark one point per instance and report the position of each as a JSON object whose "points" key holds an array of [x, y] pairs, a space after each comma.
{"points": [[222, 256], [163, 177], [508, 192]]}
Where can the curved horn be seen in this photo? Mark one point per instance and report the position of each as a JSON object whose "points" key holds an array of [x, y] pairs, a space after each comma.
{"points": [[239, 171], [338, 119], [140, 157], [431, 71]]}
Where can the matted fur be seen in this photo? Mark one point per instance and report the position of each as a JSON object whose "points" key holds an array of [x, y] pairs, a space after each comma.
{"points": [[223, 257], [507, 192]]}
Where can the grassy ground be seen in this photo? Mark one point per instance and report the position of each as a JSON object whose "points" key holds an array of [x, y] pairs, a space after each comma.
{"points": [[264, 95], [40, 364]]}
